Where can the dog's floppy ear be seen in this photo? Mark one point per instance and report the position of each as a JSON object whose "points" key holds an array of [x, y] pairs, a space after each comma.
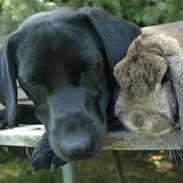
{"points": [[8, 88], [115, 33]]}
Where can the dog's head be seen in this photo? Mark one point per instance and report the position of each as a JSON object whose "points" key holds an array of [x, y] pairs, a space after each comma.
{"points": [[63, 60], [147, 101]]}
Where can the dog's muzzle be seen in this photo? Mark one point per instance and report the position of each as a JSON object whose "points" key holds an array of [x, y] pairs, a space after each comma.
{"points": [[75, 137]]}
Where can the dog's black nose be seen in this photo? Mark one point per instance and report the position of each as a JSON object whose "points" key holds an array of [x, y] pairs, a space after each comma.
{"points": [[77, 149], [76, 136]]}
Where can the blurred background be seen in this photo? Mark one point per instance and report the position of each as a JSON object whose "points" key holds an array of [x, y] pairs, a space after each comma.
{"points": [[139, 166], [142, 12]]}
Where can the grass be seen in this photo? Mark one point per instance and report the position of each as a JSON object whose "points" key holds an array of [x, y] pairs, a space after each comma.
{"points": [[139, 167]]}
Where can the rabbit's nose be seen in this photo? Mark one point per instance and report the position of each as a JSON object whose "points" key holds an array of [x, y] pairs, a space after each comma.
{"points": [[137, 119]]}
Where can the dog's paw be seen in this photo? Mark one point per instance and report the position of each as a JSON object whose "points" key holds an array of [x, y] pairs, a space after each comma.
{"points": [[3, 120], [3, 124], [43, 156]]}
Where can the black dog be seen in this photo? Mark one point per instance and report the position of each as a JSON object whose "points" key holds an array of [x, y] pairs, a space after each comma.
{"points": [[63, 60]]}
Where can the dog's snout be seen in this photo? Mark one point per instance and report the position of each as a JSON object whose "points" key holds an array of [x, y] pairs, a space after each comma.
{"points": [[76, 136], [75, 149]]}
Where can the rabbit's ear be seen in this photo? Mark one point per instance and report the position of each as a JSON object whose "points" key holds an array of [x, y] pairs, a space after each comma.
{"points": [[176, 76]]}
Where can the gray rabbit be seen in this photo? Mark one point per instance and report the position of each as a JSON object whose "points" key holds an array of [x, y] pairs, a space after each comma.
{"points": [[150, 77]]}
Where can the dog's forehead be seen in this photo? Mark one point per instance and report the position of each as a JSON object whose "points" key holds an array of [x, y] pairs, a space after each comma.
{"points": [[53, 46]]}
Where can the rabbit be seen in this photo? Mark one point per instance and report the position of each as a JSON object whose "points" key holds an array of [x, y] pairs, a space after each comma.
{"points": [[150, 77]]}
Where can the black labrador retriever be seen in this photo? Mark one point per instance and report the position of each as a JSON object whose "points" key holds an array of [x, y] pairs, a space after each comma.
{"points": [[63, 60]]}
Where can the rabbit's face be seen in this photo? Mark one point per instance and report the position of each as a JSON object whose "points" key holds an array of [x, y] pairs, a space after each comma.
{"points": [[146, 102], [153, 113]]}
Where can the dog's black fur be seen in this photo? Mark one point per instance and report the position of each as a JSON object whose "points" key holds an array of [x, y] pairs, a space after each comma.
{"points": [[63, 60]]}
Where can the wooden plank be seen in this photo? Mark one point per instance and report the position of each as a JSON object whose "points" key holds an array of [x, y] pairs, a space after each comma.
{"points": [[29, 135], [21, 136], [174, 26], [129, 141]]}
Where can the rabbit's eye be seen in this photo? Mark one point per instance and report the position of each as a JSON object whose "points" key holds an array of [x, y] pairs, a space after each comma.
{"points": [[158, 53]]}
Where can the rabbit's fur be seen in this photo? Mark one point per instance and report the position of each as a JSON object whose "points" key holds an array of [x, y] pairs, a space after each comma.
{"points": [[150, 77]]}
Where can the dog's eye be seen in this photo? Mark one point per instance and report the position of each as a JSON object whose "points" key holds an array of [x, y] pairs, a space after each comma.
{"points": [[86, 68], [27, 83], [31, 84]]}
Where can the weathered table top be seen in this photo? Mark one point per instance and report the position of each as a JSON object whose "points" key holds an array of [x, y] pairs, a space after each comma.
{"points": [[29, 135]]}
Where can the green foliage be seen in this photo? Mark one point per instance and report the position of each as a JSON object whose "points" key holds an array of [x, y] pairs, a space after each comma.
{"points": [[13, 12], [137, 169], [152, 12], [143, 12]]}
